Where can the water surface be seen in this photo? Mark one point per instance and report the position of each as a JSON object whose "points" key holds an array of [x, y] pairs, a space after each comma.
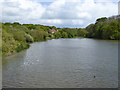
{"points": [[64, 63]]}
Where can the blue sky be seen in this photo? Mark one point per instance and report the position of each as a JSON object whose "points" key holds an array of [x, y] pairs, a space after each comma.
{"points": [[60, 13]]}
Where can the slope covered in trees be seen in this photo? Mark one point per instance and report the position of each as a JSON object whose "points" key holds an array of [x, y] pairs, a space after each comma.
{"points": [[105, 28], [16, 37]]}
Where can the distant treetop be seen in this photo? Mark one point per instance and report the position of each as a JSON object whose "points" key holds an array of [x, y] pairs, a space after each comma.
{"points": [[16, 23], [101, 19]]}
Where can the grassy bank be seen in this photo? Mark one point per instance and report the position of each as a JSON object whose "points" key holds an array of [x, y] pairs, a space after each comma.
{"points": [[17, 37]]}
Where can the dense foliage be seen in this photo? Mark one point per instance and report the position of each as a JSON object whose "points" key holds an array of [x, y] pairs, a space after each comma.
{"points": [[16, 37], [104, 28]]}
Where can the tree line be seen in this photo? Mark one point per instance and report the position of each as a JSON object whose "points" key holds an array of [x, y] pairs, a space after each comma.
{"points": [[104, 28], [16, 36]]}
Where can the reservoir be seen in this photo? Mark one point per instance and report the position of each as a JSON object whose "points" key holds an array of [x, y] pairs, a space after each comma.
{"points": [[63, 63]]}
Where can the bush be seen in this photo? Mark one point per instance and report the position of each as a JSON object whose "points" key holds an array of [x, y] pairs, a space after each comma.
{"points": [[38, 35], [81, 33], [29, 38], [64, 35], [19, 36], [19, 48], [22, 47]]}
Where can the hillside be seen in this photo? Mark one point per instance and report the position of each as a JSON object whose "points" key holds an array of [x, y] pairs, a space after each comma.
{"points": [[105, 28], [16, 37]]}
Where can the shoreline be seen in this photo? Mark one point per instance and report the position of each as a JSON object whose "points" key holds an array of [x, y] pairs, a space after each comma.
{"points": [[52, 39]]}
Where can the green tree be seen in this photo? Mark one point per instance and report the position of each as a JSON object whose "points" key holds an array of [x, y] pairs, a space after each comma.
{"points": [[64, 35]]}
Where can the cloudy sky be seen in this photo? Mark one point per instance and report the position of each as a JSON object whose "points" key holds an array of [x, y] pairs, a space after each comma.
{"points": [[60, 13]]}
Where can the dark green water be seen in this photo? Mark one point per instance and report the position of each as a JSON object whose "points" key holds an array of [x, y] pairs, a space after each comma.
{"points": [[64, 63]]}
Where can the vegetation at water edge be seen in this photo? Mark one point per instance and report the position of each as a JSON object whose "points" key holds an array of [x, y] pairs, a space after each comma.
{"points": [[16, 36]]}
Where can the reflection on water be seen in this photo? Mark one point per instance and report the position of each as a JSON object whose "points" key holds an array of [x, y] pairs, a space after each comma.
{"points": [[64, 63]]}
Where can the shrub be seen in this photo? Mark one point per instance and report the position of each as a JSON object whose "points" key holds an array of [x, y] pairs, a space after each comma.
{"points": [[22, 47], [29, 38], [19, 36]]}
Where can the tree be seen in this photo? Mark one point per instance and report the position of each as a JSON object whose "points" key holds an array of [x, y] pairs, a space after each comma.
{"points": [[16, 23], [64, 35], [101, 19], [29, 38]]}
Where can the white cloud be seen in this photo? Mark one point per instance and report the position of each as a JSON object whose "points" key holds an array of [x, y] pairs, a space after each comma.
{"points": [[84, 15], [77, 22], [64, 13], [54, 21]]}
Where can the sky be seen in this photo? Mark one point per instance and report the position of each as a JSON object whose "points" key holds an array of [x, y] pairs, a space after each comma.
{"points": [[59, 13]]}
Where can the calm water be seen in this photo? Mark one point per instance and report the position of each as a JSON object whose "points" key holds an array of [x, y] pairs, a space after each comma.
{"points": [[64, 63]]}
